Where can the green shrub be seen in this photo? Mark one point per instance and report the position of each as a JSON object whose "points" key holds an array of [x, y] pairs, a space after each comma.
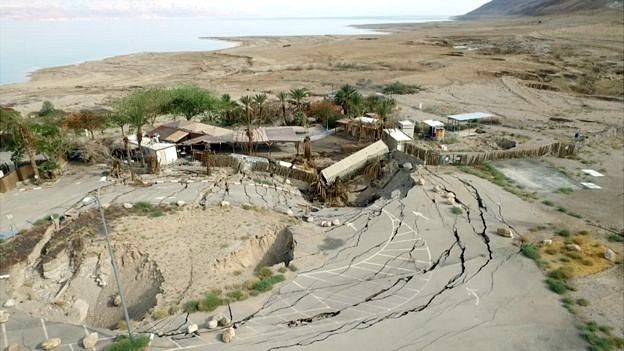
{"points": [[456, 210], [236, 295], [567, 301], [282, 270], [156, 213], [548, 203], [278, 278], [263, 285], [142, 205], [264, 272], [191, 306], [556, 286], [616, 238], [563, 232], [401, 88], [530, 251], [582, 302], [565, 191], [122, 343], [254, 293], [599, 337], [210, 302], [559, 274]]}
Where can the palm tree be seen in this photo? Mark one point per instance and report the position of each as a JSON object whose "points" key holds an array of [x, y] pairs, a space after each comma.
{"points": [[384, 108], [135, 108], [259, 100], [282, 96], [349, 99], [298, 98], [247, 102], [21, 131]]}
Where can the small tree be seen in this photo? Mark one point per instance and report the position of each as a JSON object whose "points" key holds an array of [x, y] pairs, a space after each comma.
{"points": [[190, 101], [247, 102], [349, 99], [326, 111], [46, 108], [84, 119], [21, 133], [259, 102]]}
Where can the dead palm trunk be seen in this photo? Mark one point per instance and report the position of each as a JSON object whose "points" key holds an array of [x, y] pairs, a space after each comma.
{"points": [[127, 147], [30, 150], [307, 149], [139, 136]]}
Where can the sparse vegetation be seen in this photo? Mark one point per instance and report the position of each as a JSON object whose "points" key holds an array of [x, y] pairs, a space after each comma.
{"points": [[401, 88], [599, 337], [489, 172], [566, 191], [557, 286], [548, 203], [530, 251], [456, 210], [563, 232], [123, 343], [264, 273]]}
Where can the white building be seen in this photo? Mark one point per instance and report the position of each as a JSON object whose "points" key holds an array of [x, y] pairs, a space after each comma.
{"points": [[395, 139], [165, 153]]}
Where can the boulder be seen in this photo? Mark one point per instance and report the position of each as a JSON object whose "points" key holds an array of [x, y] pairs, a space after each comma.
{"points": [[58, 268], [504, 232], [609, 254], [212, 323], [420, 181], [450, 195], [127, 205], [290, 212], [225, 203], [89, 341], [450, 200], [9, 303], [228, 335], [224, 321], [436, 189], [50, 344], [573, 247], [408, 166], [395, 194], [116, 300], [180, 203], [192, 328], [336, 222], [4, 316], [288, 181], [546, 242], [324, 224], [309, 219]]}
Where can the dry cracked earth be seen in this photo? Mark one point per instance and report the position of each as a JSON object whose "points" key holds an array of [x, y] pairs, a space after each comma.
{"points": [[404, 273]]}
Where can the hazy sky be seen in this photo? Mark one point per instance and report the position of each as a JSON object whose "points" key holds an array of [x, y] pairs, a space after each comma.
{"points": [[63, 9]]}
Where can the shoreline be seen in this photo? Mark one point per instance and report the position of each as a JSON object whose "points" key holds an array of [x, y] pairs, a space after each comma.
{"points": [[234, 42]]}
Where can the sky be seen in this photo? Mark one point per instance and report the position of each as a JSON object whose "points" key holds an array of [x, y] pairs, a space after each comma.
{"points": [[84, 9]]}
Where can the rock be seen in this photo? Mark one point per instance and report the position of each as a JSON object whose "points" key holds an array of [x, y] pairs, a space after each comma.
{"points": [[9, 303], [89, 341], [212, 323], [436, 189], [573, 247], [180, 203], [290, 212], [78, 311], [324, 224], [546, 242], [4, 316], [609, 254], [50, 344], [288, 181], [450, 200], [127, 205], [228, 335], [420, 181], [192, 328], [395, 194], [504, 232], [225, 203], [58, 268], [336, 222], [450, 195], [309, 219], [116, 300], [14, 347], [408, 166], [224, 321]]}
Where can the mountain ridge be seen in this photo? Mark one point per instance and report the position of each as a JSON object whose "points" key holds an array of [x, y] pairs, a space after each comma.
{"points": [[497, 8]]}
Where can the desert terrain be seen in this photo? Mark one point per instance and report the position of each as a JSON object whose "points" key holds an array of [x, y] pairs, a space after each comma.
{"points": [[409, 269]]}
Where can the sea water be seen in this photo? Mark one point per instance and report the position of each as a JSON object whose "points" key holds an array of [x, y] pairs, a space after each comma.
{"points": [[28, 45]]}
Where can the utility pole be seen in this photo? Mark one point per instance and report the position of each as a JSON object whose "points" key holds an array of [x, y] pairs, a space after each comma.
{"points": [[112, 258]]}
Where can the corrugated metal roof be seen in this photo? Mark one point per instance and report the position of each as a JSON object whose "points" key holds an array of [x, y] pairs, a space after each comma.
{"points": [[207, 139], [198, 128], [175, 136], [470, 116], [353, 162]]}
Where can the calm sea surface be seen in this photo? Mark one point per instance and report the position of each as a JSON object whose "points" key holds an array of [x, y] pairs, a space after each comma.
{"points": [[26, 46]]}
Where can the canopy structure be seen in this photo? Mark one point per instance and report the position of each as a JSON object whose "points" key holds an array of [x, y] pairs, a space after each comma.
{"points": [[455, 120], [353, 162]]}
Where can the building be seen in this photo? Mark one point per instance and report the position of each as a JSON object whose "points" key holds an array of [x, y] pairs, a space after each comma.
{"points": [[165, 153], [350, 164], [461, 120], [395, 139], [435, 129], [407, 127]]}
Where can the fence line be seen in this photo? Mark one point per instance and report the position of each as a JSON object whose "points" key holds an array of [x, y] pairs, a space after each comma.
{"points": [[287, 172], [435, 157]]}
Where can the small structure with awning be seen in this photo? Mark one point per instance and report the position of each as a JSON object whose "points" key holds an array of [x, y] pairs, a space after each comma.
{"points": [[455, 121], [435, 129], [395, 139]]}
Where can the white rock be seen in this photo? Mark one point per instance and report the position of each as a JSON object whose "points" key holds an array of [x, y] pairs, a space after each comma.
{"points": [[609, 254], [324, 224], [436, 189], [180, 203], [395, 194], [309, 219], [228, 335], [192, 328], [450, 201], [288, 181], [336, 222], [225, 203], [290, 212], [408, 166], [9, 303], [89, 341], [116, 300], [4, 316], [504, 232], [127, 205], [546, 242], [212, 323], [573, 247], [420, 181], [50, 344], [449, 195]]}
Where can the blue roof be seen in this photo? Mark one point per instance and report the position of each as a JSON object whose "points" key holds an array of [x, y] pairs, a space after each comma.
{"points": [[471, 116]]}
